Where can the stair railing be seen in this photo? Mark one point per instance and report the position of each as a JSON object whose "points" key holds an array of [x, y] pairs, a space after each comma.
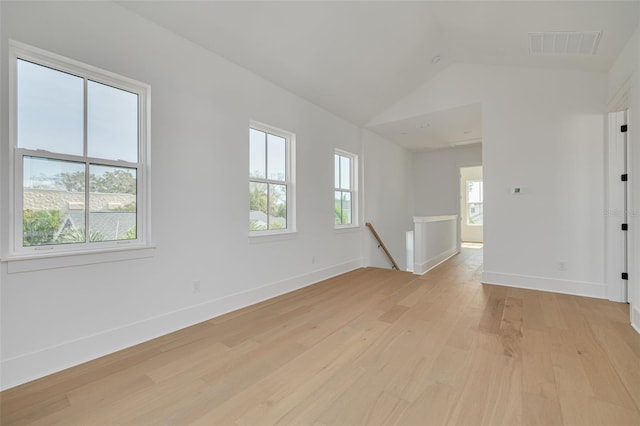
{"points": [[381, 245]]}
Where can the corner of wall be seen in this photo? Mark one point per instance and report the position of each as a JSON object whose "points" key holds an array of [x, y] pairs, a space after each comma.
{"points": [[386, 198]]}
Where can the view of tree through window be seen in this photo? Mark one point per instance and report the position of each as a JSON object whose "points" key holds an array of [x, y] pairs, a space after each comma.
{"points": [[54, 202], [268, 181], [77, 146]]}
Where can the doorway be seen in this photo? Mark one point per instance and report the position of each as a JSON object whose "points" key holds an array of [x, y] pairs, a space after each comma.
{"points": [[471, 205], [617, 259]]}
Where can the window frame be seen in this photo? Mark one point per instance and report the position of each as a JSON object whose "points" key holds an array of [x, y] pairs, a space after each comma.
{"points": [[467, 203], [289, 182], [16, 250], [353, 160]]}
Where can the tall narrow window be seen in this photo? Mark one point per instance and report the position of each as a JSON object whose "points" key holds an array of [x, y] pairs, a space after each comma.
{"points": [[475, 201], [345, 188], [79, 155], [270, 180]]}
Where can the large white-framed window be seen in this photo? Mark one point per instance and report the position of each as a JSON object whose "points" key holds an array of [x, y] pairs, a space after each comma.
{"points": [[271, 180], [80, 157], [475, 202], [345, 189]]}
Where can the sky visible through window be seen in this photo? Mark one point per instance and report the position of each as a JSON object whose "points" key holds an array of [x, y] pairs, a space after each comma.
{"points": [[55, 101]]}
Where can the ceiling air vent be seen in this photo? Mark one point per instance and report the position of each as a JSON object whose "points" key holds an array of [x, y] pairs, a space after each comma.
{"points": [[564, 43]]}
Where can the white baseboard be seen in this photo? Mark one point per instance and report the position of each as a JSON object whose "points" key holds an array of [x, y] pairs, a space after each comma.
{"points": [[577, 288], [423, 268], [635, 318], [33, 365]]}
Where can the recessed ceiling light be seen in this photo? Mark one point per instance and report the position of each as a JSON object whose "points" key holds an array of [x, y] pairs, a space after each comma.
{"points": [[435, 59]]}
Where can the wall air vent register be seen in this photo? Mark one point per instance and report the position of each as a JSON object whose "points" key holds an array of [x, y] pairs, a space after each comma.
{"points": [[564, 43]]}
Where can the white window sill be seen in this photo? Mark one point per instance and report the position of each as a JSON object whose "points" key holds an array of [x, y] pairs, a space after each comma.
{"points": [[40, 262], [271, 236], [347, 228]]}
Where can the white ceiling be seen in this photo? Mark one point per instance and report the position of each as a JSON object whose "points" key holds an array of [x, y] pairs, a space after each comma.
{"points": [[357, 58], [442, 129]]}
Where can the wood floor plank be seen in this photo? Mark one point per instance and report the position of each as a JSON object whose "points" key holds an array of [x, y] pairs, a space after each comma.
{"points": [[532, 311], [622, 358], [294, 381], [451, 367], [492, 315], [432, 407], [511, 327], [370, 347], [393, 313], [601, 373], [35, 411], [540, 411], [551, 310], [386, 410], [538, 376]]}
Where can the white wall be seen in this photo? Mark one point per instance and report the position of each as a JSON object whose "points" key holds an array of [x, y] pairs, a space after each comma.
{"points": [[201, 108], [543, 131], [436, 177], [436, 180], [387, 199]]}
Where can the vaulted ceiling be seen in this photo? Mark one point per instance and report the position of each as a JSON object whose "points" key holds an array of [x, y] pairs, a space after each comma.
{"points": [[357, 58]]}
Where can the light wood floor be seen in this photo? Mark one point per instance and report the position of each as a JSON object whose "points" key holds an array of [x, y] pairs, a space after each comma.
{"points": [[366, 348]]}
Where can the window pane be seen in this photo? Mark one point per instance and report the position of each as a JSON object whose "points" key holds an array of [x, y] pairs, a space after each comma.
{"points": [[345, 173], [277, 206], [474, 191], [112, 123], [343, 208], [50, 109], [346, 208], [474, 214], [276, 158], [258, 219], [336, 169], [113, 203], [257, 154], [53, 202]]}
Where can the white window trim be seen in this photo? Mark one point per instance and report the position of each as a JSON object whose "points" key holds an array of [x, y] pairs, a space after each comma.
{"points": [[27, 258], [290, 182], [354, 191]]}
